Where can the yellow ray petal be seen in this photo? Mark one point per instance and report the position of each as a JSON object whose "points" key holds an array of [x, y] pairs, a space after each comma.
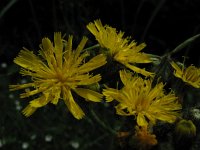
{"points": [[89, 94], [80, 47], [72, 105], [20, 86], [28, 110], [110, 94], [58, 48], [26, 59], [40, 102], [178, 71], [141, 121], [93, 63], [125, 76], [138, 70]]}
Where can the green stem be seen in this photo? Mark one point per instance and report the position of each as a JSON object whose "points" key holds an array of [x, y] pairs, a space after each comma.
{"points": [[156, 59], [96, 141], [153, 16], [7, 7], [184, 44]]}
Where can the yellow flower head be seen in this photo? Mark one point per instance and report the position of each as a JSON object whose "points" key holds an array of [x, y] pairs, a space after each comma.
{"points": [[57, 71], [190, 75], [145, 102], [119, 48]]}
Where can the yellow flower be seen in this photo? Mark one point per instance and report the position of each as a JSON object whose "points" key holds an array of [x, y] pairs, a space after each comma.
{"points": [[146, 102], [56, 72], [119, 48], [190, 75]]}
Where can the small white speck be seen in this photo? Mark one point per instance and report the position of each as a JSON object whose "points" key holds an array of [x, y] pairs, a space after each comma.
{"points": [[11, 96], [33, 137], [4, 65], [48, 138], [23, 81], [2, 142], [18, 105], [75, 144], [196, 113], [25, 145]]}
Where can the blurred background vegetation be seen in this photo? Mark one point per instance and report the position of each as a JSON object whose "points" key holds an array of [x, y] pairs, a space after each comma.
{"points": [[161, 24]]}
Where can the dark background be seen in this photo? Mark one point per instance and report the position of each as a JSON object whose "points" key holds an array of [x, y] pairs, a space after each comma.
{"points": [[161, 24]]}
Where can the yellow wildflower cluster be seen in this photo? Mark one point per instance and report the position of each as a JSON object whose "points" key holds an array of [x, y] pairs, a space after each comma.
{"points": [[59, 69], [59, 72]]}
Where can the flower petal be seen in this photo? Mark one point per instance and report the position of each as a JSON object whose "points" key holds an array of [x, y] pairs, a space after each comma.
{"points": [[89, 94], [138, 70], [141, 121], [29, 110], [72, 105]]}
